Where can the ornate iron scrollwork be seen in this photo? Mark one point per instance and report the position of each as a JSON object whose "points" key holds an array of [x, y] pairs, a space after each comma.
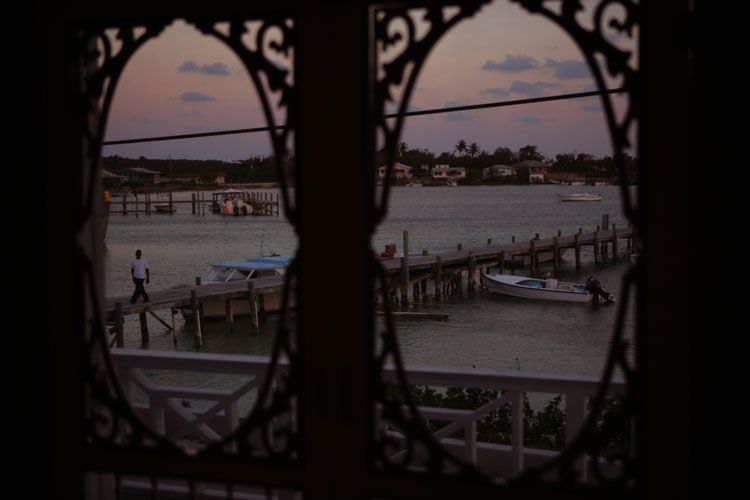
{"points": [[402, 70], [109, 421]]}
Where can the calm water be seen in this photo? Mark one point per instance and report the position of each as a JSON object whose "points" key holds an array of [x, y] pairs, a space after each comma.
{"points": [[483, 330]]}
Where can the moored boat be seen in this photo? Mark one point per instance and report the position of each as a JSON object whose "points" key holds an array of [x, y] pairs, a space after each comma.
{"points": [[231, 202], [246, 270], [165, 208], [546, 289], [580, 197]]}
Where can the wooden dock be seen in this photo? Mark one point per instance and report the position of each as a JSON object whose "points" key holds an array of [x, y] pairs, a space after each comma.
{"points": [[408, 276], [192, 297], [123, 203]]}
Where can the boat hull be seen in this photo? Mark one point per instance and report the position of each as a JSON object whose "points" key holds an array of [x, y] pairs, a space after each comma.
{"points": [[217, 309], [580, 197], [495, 285]]}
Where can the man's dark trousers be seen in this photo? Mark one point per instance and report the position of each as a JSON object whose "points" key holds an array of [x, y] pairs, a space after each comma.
{"points": [[139, 290]]}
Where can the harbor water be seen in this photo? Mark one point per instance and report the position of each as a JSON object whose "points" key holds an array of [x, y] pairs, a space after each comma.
{"points": [[482, 330]]}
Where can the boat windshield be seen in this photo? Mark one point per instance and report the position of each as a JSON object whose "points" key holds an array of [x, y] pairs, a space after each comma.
{"points": [[218, 274], [239, 274]]}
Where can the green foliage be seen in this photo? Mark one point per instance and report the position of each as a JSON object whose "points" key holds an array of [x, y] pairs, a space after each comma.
{"points": [[543, 429]]}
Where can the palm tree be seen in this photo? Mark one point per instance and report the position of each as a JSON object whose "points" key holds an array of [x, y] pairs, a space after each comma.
{"points": [[461, 147], [473, 150], [402, 149]]}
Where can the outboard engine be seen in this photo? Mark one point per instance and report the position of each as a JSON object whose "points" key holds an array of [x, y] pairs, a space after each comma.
{"points": [[594, 287]]}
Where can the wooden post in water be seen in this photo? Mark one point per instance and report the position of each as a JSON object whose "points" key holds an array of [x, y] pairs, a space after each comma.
{"points": [[230, 314], [460, 247], [578, 250], [201, 306], [192, 202], [144, 327], [197, 333], [501, 262], [119, 326], [437, 277], [170, 203], [555, 253], [136, 204], [405, 270], [425, 253], [253, 298], [472, 271], [513, 239], [124, 203], [489, 242], [174, 326], [532, 255], [614, 238], [404, 281], [596, 245]]}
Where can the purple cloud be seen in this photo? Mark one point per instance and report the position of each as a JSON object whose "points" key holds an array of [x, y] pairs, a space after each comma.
{"points": [[569, 70], [511, 64], [195, 97], [217, 68], [532, 89]]}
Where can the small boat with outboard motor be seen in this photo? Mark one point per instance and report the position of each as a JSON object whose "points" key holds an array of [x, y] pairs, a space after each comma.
{"points": [[547, 289]]}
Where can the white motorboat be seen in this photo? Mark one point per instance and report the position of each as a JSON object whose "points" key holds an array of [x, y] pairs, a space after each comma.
{"points": [[546, 289], [581, 197], [246, 270], [231, 202]]}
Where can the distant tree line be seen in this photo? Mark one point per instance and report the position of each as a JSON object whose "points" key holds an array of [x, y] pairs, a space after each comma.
{"points": [[468, 156], [254, 169], [474, 160]]}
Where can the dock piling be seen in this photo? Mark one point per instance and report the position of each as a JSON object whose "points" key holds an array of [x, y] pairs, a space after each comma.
{"points": [[197, 332], [144, 327], [174, 326], [437, 277], [119, 325], [253, 298]]}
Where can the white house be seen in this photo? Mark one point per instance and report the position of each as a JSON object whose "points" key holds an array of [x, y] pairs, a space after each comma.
{"points": [[449, 173], [400, 171], [535, 170]]}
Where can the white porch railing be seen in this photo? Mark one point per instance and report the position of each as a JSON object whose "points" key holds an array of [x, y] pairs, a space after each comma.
{"points": [[163, 405]]}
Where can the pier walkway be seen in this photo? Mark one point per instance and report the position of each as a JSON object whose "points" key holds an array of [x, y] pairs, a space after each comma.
{"points": [[445, 269]]}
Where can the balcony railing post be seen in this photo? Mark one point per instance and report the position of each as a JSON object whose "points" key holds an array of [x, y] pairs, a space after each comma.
{"points": [[517, 432]]}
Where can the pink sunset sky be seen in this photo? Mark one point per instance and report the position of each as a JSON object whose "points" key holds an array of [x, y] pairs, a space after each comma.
{"points": [[184, 83]]}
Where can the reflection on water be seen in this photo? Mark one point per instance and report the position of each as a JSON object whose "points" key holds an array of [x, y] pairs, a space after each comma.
{"points": [[482, 330]]}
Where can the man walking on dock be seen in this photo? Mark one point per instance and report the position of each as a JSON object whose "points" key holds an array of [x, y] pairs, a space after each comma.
{"points": [[139, 271]]}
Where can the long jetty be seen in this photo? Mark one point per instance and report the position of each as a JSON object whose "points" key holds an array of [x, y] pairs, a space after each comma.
{"points": [[193, 298], [446, 269], [263, 203], [408, 275]]}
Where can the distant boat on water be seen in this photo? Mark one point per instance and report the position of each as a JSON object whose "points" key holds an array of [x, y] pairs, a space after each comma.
{"points": [[581, 197]]}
